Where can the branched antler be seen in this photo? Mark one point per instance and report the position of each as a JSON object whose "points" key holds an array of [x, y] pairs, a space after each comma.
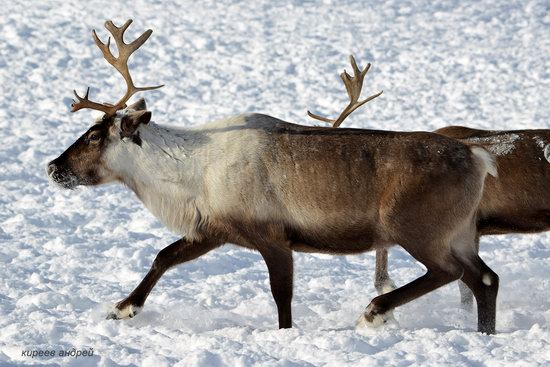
{"points": [[84, 102], [120, 63], [353, 87]]}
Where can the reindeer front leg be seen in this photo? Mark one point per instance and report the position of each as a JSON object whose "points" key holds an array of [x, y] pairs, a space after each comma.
{"points": [[178, 252], [280, 267]]}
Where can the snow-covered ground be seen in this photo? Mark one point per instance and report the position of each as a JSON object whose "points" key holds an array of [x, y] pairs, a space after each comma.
{"points": [[66, 256]]}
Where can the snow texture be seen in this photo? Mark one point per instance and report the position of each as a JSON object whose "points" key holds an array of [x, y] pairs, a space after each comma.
{"points": [[67, 256], [498, 145]]}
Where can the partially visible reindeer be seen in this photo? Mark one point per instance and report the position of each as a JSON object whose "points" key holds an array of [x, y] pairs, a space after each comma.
{"points": [[247, 180], [517, 202]]}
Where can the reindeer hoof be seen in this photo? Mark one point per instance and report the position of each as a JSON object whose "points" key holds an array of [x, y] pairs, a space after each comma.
{"points": [[126, 312], [370, 319]]}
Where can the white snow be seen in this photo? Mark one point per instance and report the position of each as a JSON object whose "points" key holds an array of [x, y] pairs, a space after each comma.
{"points": [[540, 141], [498, 145], [67, 256]]}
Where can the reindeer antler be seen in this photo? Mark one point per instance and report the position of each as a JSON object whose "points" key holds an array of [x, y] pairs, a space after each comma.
{"points": [[120, 63], [353, 87]]}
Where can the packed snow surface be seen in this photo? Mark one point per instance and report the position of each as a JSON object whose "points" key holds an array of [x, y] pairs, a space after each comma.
{"points": [[67, 256]]}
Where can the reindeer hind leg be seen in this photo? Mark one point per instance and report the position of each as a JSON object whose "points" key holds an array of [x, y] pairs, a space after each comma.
{"points": [[483, 282], [442, 270]]}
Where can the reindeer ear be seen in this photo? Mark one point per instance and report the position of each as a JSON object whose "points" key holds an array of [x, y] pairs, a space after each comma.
{"points": [[139, 105], [131, 121]]}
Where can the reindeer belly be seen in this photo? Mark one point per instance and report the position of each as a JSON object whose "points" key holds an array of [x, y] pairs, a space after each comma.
{"points": [[531, 221], [341, 241]]}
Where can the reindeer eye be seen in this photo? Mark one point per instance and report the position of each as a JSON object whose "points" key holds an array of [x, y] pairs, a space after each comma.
{"points": [[94, 138]]}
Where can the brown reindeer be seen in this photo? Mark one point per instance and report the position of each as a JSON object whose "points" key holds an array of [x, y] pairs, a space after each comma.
{"points": [[247, 180], [517, 202]]}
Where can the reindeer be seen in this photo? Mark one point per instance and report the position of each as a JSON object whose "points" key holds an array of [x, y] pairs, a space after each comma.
{"points": [[247, 180], [518, 202]]}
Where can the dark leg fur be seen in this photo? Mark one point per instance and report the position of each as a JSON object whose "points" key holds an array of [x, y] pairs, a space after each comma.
{"points": [[433, 279], [177, 253], [280, 267], [483, 282]]}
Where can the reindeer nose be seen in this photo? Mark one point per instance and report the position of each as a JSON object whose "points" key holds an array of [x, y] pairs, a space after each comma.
{"points": [[51, 168]]}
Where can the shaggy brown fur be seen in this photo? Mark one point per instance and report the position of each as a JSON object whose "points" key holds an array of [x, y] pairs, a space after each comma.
{"points": [[297, 188]]}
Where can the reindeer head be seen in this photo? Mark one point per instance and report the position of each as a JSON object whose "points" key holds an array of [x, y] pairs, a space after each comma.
{"points": [[83, 163]]}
